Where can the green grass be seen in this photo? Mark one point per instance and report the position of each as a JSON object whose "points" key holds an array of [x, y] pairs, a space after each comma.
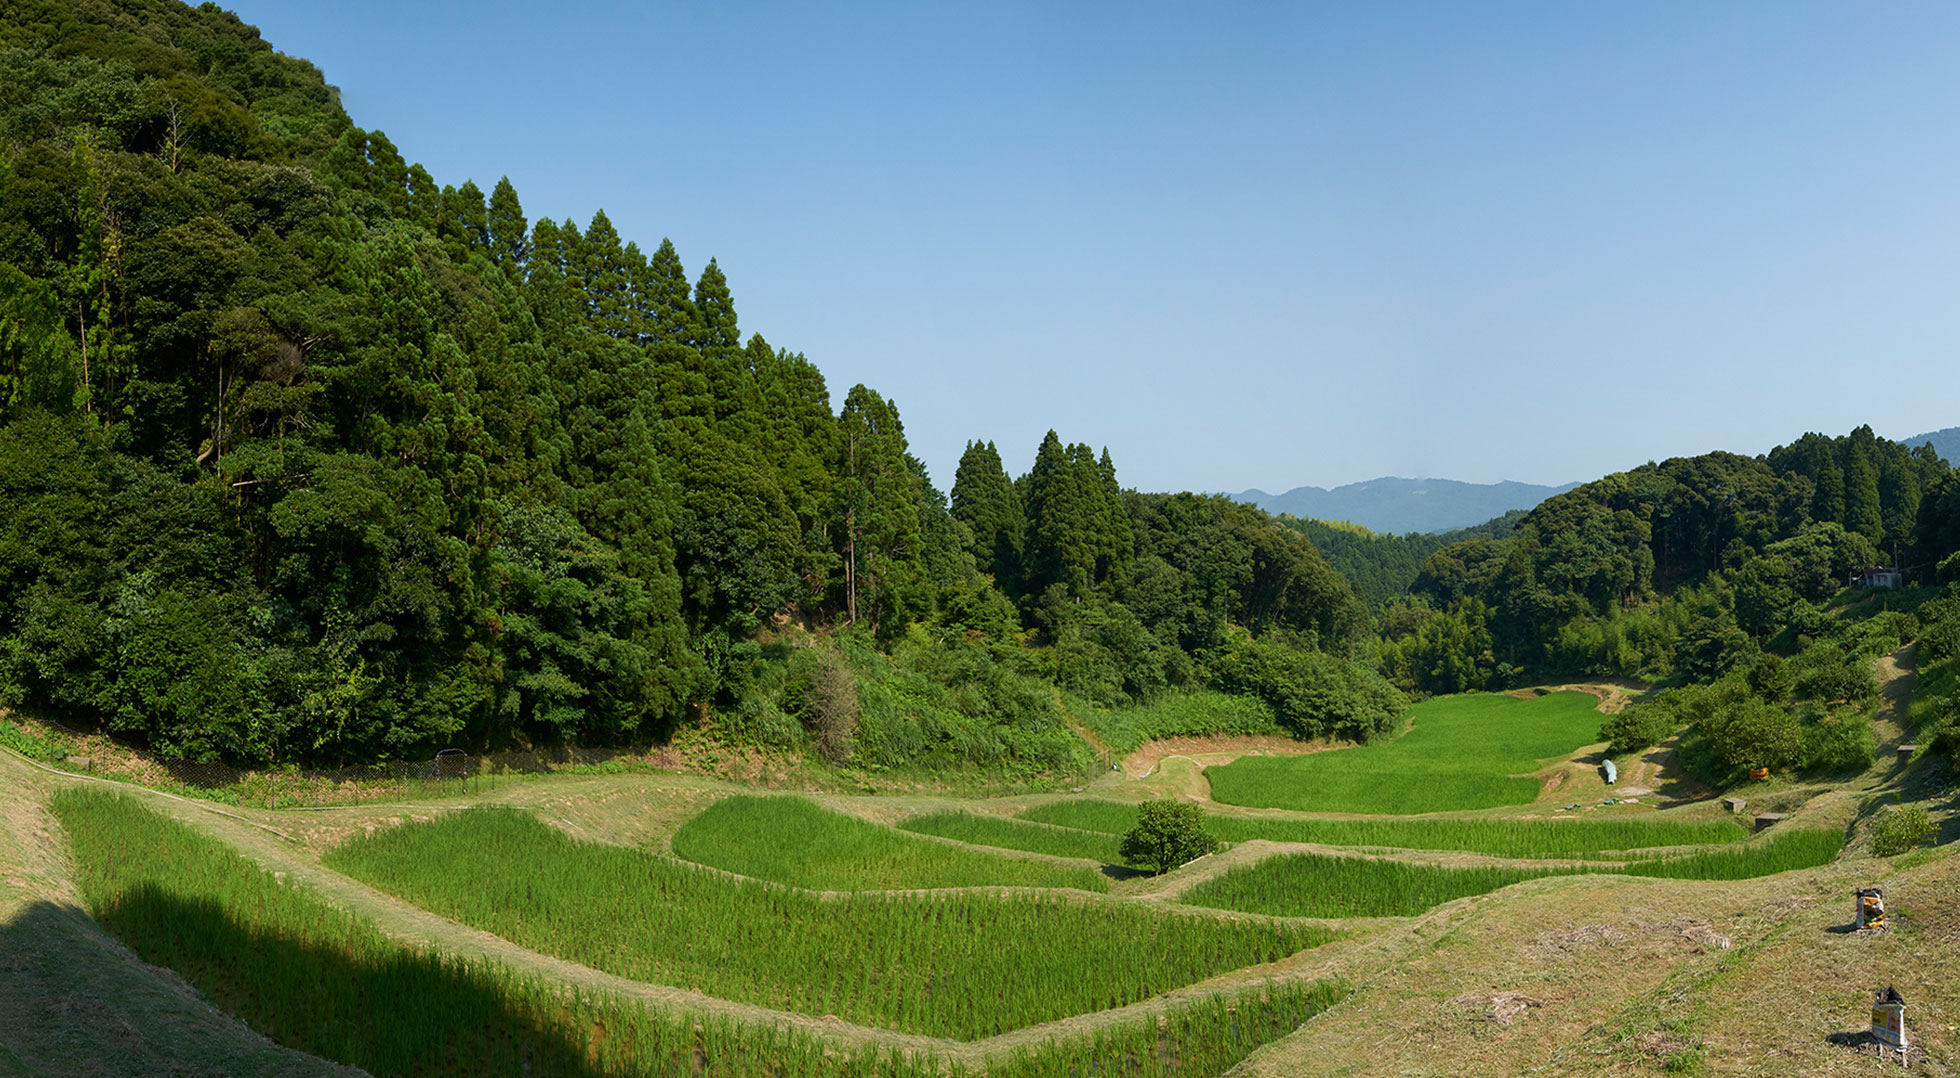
{"points": [[1498, 838], [1319, 885], [1205, 1039], [982, 830], [319, 979], [964, 965], [1782, 853], [1460, 754], [794, 841], [1183, 714]]}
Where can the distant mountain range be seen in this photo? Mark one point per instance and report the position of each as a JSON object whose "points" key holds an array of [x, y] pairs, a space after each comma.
{"points": [[1406, 505], [1945, 442]]}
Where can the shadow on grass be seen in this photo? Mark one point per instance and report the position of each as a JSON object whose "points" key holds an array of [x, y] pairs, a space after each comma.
{"points": [[1123, 872], [388, 1010], [72, 1004]]}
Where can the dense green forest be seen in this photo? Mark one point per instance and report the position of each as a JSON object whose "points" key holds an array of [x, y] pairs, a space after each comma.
{"points": [[305, 456]]}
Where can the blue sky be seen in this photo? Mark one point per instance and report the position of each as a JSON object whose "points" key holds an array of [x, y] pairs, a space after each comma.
{"points": [[1251, 245]]}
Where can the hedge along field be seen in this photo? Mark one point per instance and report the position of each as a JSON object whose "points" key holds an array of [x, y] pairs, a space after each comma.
{"points": [[1563, 837], [314, 977], [962, 965], [794, 841], [981, 830], [1459, 755], [1321, 885]]}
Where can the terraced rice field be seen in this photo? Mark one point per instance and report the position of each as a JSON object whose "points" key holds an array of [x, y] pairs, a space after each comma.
{"points": [[961, 966], [1327, 885], [1534, 838], [794, 841], [1463, 752], [981, 830]]}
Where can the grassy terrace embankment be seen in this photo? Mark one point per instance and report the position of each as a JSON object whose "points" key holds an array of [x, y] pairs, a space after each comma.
{"points": [[792, 841], [964, 965]]}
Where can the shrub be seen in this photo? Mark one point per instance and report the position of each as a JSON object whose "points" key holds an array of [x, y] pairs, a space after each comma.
{"points": [[1899, 828], [1637, 728], [1168, 834]]}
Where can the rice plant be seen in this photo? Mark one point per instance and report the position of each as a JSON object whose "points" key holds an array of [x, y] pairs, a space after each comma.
{"points": [[983, 830], [1321, 885], [314, 977], [1463, 752], [1806, 848], [965, 965], [794, 841], [1541, 838], [1207, 1038]]}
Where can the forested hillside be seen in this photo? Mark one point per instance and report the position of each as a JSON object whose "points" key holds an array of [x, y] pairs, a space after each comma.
{"points": [[308, 456]]}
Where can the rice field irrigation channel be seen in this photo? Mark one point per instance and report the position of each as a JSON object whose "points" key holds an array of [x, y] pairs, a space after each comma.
{"points": [[794, 841], [964, 965]]}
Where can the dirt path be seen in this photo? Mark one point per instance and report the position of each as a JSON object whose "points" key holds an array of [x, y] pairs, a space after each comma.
{"points": [[1614, 693]]}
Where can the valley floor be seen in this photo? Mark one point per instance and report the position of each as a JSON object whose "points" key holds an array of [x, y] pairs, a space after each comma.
{"points": [[1592, 974]]}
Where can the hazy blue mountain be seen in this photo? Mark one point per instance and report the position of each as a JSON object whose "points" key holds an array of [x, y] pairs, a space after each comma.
{"points": [[1406, 505], [1945, 442]]}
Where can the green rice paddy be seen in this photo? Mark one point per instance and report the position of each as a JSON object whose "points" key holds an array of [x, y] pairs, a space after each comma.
{"points": [[982, 830], [1539, 838], [1463, 752], [316, 978], [963, 966], [1324, 885], [794, 841]]}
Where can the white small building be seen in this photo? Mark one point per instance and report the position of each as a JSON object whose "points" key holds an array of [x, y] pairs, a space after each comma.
{"points": [[1877, 577]]}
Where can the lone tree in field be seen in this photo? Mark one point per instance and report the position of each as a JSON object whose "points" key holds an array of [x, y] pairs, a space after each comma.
{"points": [[1168, 833]]}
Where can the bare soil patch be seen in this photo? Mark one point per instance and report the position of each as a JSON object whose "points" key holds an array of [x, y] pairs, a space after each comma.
{"points": [[1614, 694], [1206, 751]]}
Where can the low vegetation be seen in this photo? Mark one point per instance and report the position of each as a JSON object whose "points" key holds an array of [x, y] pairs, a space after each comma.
{"points": [[1180, 714], [1205, 1039], [1540, 838], [962, 966], [1463, 752], [791, 840], [982, 830], [1321, 885], [1805, 848]]}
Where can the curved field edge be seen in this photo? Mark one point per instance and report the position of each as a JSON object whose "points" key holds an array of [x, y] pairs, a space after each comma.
{"points": [[1204, 1032], [961, 965], [793, 841], [324, 980]]}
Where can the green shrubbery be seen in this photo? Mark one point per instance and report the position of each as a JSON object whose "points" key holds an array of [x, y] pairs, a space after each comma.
{"points": [[1167, 834], [1901, 827]]}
